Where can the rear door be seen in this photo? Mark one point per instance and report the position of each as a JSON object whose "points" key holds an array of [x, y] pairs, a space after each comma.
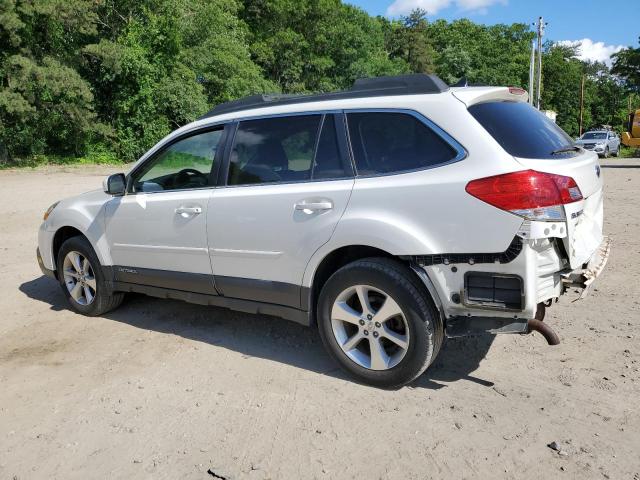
{"points": [[288, 182], [539, 144]]}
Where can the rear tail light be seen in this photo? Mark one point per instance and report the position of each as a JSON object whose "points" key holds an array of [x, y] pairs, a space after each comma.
{"points": [[529, 194]]}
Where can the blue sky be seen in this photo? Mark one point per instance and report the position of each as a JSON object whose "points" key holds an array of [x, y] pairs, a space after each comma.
{"points": [[602, 26]]}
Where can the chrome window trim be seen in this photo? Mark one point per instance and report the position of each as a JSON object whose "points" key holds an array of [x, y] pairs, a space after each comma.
{"points": [[285, 114]]}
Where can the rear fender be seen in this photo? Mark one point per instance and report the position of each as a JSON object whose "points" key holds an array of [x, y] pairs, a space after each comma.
{"points": [[380, 233]]}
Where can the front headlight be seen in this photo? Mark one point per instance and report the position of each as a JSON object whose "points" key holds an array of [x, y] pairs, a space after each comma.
{"points": [[49, 210]]}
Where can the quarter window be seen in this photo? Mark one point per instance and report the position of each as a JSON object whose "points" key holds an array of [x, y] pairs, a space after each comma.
{"points": [[391, 142], [185, 164], [279, 149]]}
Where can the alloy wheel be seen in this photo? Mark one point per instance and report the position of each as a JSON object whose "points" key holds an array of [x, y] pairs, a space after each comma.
{"points": [[370, 327], [79, 278]]}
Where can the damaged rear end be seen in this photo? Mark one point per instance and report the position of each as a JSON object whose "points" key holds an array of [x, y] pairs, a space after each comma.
{"points": [[557, 190]]}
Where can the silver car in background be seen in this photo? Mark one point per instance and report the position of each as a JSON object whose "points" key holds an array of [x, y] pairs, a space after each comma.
{"points": [[603, 142]]}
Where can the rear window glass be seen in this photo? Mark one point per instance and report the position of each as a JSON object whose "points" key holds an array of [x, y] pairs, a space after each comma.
{"points": [[385, 142], [522, 130], [276, 149]]}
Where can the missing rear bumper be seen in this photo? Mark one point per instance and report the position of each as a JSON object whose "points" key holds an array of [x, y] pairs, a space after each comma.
{"points": [[471, 326], [583, 278]]}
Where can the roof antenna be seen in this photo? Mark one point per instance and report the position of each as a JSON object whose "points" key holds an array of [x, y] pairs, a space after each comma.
{"points": [[461, 83]]}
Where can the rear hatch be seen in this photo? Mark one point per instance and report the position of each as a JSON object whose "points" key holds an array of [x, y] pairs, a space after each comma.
{"points": [[537, 143]]}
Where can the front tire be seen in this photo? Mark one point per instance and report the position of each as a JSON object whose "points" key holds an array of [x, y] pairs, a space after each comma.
{"points": [[378, 322], [82, 281]]}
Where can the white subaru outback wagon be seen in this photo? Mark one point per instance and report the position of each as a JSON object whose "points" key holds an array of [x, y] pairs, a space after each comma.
{"points": [[389, 215]]}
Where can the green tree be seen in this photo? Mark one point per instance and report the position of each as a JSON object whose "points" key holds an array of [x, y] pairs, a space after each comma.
{"points": [[165, 62], [316, 45], [80, 76], [605, 96], [408, 39], [45, 105], [492, 55], [626, 64], [562, 76]]}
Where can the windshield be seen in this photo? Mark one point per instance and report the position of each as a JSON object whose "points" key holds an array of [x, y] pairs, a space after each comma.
{"points": [[594, 136], [522, 130]]}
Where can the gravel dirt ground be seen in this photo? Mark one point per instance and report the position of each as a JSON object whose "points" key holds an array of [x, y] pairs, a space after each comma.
{"points": [[163, 389]]}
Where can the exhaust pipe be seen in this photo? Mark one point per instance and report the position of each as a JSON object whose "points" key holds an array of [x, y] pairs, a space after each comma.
{"points": [[545, 330]]}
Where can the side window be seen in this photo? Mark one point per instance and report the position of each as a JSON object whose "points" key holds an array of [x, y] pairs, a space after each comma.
{"points": [[185, 164], [279, 149], [390, 142], [328, 162]]}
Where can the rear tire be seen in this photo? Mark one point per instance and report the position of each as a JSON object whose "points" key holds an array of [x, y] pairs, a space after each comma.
{"points": [[82, 281], [617, 152], [394, 338]]}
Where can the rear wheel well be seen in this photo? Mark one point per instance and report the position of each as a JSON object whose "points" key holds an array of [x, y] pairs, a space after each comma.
{"points": [[62, 235], [336, 260]]}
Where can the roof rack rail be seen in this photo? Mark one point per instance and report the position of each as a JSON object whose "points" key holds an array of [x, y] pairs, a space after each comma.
{"points": [[410, 84]]}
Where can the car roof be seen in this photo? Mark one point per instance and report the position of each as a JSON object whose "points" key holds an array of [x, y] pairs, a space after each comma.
{"points": [[410, 84]]}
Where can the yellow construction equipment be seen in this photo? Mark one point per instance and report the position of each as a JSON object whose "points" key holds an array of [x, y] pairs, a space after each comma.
{"points": [[631, 138]]}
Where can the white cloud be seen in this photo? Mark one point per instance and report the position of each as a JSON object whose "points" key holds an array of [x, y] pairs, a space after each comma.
{"points": [[481, 5], [403, 7], [593, 51]]}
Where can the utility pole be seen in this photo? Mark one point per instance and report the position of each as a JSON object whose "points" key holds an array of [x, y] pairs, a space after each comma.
{"points": [[541, 24], [581, 102], [532, 69]]}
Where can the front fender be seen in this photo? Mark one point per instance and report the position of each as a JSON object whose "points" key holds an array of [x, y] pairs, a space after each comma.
{"points": [[85, 213]]}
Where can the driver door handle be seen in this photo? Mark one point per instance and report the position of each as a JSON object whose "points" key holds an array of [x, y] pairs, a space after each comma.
{"points": [[186, 212]]}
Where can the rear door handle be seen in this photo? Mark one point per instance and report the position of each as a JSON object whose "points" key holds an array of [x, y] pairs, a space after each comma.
{"points": [[187, 212], [314, 206]]}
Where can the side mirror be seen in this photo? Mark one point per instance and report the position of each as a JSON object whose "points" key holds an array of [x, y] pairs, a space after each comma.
{"points": [[115, 184]]}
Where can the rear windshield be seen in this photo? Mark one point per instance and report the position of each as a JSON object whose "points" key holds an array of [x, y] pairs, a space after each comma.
{"points": [[522, 130]]}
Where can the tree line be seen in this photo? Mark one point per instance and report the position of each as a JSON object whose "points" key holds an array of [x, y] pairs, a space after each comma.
{"points": [[106, 79]]}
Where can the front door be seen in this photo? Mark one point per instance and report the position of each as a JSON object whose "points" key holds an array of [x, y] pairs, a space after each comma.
{"points": [[289, 180], [157, 232]]}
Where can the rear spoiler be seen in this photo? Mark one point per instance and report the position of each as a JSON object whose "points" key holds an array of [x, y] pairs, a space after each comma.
{"points": [[472, 95]]}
